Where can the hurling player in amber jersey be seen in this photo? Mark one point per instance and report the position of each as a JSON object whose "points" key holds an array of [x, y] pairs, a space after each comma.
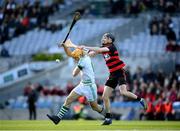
{"points": [[117, 76]]}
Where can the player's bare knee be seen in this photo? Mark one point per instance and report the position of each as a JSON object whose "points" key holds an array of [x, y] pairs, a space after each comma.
{"points": [[123, 90]]}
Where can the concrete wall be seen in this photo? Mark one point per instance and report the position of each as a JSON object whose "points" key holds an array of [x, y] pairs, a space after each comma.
{"points": [[21, 114]]}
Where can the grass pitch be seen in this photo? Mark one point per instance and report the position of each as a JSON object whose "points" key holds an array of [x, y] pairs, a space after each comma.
{"points": [[82, 125]]}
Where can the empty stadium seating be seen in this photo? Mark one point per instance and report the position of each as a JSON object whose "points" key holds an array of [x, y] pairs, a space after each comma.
{"points": [[39, 40], [143, 44]]}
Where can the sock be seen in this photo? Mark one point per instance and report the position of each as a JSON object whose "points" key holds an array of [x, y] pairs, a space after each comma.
{"points": [[62, 112], [138, 99], [103, 112], [108, 115]]}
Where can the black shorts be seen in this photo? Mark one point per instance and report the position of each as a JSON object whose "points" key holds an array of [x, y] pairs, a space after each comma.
{"points": [[116, 78]]}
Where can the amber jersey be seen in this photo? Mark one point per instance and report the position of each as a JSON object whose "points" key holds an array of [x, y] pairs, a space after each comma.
{"points": [[112, 59]]}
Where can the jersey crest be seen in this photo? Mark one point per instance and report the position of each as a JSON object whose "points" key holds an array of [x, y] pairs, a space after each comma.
{"points": [[106, 56]]}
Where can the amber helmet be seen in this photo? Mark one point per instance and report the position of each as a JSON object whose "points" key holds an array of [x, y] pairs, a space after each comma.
{"points": [[77, 53]]}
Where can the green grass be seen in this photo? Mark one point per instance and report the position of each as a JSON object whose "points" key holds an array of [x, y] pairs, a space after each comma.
{"points": [[81, 125]]}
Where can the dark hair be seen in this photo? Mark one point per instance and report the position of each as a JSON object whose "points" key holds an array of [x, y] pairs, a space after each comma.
{"points": [[109, 35]]}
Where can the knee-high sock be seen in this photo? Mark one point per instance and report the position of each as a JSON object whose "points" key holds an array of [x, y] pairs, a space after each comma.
{"points": [[62, 112]]}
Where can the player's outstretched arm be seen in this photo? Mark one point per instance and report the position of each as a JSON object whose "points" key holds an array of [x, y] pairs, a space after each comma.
{"points": [[92, 53], [76, 71], [95, 49]]}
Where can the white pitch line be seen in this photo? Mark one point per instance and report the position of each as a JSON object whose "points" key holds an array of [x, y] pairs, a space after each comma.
{"points": [[93, 130]]}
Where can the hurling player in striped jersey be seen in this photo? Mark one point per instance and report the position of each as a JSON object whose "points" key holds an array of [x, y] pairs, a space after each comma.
{"points": [[117, 76]]}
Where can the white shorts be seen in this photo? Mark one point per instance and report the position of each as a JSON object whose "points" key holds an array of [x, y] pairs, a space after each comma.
{"points": [[87, 90]]}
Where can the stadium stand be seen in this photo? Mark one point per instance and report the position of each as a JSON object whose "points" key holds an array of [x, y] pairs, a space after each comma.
{"points": [[144, 44], [39, 40], [18, 17]]}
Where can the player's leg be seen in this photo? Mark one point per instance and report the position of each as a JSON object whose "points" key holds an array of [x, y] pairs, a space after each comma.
{"points": [[110, 85], [123, 90], [65, 108], [90, 92], [96, 107], [106, 98], [34, 112], [30, 113]]}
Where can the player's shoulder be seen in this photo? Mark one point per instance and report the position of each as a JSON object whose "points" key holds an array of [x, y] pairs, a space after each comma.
{"points": [[112, 48]]}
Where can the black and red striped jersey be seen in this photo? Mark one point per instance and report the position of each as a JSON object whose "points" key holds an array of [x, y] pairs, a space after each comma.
{"points": [[112, 59]]}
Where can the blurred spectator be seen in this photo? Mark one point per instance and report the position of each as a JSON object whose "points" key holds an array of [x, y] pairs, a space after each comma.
{"points": [[138, 75], [170, 7], [54, 27], [117, 6], [151, 92], [10, 6], [78, 111], [159, 110], [172, 46], [1, 15], [135, 88], [160, 24], [149, 76], [57, 91], [27, 89], [148, 3], [171, 36], [83, 100], [173, 92], [134, 9], [161, 77], [39, 87], [169, 112], [32, 98], [69, 87], [4, 52], [18, 17], [149, 113], [128, 75], [46, 91], [100, 89]]}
